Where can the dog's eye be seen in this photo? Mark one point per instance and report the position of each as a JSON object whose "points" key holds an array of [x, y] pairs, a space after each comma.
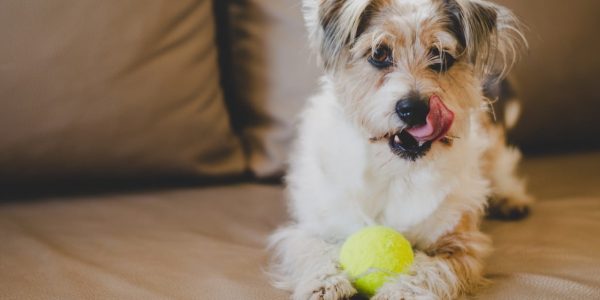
{"points": [[441, 61], [381, 58]]}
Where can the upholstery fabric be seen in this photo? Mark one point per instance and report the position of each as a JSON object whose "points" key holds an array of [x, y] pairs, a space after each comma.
{"points": [[111, 88], [274, 74], [208, 243]]}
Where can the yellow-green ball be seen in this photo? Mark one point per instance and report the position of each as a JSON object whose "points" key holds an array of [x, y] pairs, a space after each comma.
{"points": [[374, 254]]}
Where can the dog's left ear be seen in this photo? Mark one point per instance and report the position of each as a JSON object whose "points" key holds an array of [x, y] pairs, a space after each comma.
{"points": [[489, 33], [334, 25]]}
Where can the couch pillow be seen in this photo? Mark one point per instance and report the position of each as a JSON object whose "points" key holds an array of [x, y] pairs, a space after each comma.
{"points": [[274, 74], [112, 88]]}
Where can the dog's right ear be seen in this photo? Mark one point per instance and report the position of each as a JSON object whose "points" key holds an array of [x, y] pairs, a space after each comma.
{"points": [[334, 25], [490, 34]]}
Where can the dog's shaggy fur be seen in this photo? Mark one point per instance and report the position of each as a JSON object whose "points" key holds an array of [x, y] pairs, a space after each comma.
{"points": [[350, 169]]}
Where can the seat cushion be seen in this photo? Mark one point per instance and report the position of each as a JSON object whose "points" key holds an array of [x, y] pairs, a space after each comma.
{"points": [[204, 243], [111, 88], [208, 243]]}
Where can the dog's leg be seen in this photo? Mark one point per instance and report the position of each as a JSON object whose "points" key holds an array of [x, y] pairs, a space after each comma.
{"points": [[509, 199], [307, 265], [451, 267]]}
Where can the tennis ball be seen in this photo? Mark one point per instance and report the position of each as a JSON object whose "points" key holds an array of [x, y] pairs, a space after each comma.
{"points": [[372, 255]]}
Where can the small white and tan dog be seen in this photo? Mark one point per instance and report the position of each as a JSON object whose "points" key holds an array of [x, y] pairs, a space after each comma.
{"points": [[401, 135]]}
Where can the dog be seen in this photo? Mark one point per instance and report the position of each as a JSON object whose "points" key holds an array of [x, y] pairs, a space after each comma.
{"points": [[401, 135]]}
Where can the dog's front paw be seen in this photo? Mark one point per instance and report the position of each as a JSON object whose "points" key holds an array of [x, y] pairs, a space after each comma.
{"points": [[403, 289], [335, 287]]}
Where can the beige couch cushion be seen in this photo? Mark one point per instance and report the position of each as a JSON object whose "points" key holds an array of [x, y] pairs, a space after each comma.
{"points": [[208, 243], [274, 73], [104, 88]]}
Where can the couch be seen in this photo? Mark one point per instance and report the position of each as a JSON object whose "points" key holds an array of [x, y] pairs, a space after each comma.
{"points": [[142, 145]]}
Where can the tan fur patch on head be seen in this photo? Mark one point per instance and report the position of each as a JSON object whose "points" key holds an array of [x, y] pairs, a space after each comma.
{"points": [[411, 32]]}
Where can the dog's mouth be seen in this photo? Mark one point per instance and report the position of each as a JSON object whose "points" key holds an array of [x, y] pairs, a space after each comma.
{"points": [[414, 142], [407, 146]]}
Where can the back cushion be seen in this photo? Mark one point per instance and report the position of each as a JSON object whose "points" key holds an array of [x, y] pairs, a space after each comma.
{"points": [[112, 88], [557, 78], [274, 73]]}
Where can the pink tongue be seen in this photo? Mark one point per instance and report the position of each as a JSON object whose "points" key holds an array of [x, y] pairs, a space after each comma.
{"points": [[438, 123]]}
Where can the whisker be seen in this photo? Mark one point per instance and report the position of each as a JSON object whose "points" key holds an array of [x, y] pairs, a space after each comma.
{"points": [[490, 104]]}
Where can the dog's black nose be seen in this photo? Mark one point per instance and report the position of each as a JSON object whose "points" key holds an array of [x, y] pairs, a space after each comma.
{"points": [[412, 111]]}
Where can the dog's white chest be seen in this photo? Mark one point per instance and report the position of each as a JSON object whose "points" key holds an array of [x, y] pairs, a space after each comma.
{"points": [[404, 199]]}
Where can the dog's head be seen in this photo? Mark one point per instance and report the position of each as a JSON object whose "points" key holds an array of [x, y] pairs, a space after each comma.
{"points": [[408, 72]]}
